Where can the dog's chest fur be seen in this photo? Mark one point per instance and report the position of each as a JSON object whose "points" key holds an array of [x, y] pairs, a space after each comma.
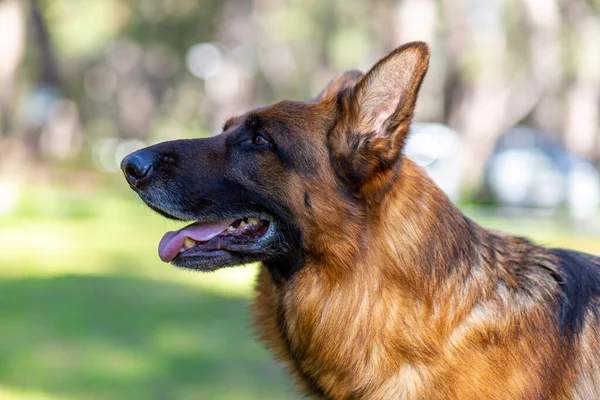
{"points": [[318, 333], [349, 341]]}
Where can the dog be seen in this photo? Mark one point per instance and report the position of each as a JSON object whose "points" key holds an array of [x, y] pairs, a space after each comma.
{"points": [[372, 284]]}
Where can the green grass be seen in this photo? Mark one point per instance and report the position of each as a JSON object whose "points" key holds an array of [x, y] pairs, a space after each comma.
{"points": [[115, 337], [89, 311]]}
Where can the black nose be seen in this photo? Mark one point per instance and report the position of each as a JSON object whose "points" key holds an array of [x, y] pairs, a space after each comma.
{"points": [[137, 167]]}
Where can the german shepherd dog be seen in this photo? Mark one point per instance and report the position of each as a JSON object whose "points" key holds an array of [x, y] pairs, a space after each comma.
{"points": [[372, 284]]}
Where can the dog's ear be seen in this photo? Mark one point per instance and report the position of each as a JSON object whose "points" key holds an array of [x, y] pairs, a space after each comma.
{"points": [[375, 118], [386, 96], [341, 81]]}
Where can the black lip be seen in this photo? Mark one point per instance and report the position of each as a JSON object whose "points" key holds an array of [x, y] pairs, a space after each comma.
{"points": [[200, 254], [213, 260]]}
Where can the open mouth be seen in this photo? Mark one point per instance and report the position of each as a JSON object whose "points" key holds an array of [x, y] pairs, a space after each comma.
{"points": [[201, 239]]}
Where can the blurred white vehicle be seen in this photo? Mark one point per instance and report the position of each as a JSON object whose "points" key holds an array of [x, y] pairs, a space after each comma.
{"points": [[530, 168], [437, 149]]}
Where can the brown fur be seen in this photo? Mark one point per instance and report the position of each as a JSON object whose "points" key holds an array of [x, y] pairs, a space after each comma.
{"points": [[443, 310], [379, 287], [405, 298]]}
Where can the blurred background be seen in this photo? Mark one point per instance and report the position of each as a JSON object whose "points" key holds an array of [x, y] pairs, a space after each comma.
{"points": [[508, 125]]}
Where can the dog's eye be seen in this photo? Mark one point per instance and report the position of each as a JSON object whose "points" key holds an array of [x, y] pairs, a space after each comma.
{"points": [[260, 140]]}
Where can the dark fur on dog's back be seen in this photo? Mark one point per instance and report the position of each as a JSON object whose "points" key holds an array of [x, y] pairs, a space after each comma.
{"points": [[579, 279], [373, 285]]}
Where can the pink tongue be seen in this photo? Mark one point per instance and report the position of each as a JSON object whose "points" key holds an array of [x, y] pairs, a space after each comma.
{"points": [[172, 242]]}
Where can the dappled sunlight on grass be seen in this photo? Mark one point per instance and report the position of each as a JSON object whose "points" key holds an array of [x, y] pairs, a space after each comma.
{"points": [[130, 338], [7, 393], [90, 312]]}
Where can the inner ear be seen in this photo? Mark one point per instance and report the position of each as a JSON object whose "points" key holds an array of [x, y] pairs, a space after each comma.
{"points": [[374, 118], [387, 94], [341, 81]]}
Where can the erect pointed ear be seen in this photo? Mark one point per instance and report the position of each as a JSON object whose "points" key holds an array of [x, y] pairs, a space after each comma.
{"points": [[341, 81], [376, 118], [386, 96]]}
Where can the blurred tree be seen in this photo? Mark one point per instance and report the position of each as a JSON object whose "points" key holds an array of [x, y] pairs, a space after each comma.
{"points": [[147, 70], [46, 84], [12, 30]]}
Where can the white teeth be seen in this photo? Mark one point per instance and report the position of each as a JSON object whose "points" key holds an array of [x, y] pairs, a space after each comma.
{"points": [[230, 229], [242, 224], [187, 243], [253, 221]]}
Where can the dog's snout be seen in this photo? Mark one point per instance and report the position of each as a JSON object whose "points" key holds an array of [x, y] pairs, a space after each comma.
{"points": [[137, 167]]}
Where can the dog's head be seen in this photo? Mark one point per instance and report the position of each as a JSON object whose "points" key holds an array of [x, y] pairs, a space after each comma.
{"points": [[279, 180]]}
